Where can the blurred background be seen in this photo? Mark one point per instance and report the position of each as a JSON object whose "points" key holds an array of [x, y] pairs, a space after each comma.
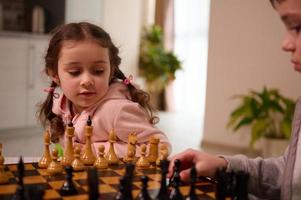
{"points": [[218, 48]]}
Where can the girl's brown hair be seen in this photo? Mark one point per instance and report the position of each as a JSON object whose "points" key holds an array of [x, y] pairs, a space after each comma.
{"points": [[79, 32]]}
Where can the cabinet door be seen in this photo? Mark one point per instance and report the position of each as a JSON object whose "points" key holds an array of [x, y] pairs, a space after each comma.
{"points": [[13, 85], [36, 78]]}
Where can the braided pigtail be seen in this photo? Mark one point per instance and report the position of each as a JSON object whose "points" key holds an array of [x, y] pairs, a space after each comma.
{"points": [[47, 117], [139, 96]]}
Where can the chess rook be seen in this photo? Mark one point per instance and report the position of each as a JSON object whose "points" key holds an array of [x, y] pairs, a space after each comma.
{"points": [[153, 149], [131, 148]]}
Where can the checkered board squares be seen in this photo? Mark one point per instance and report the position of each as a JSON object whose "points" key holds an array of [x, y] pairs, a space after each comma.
{"points": [[108, 183]]}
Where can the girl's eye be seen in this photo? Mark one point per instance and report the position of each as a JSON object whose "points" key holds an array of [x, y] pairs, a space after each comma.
{"points": [[74, 73], [98, 71]]}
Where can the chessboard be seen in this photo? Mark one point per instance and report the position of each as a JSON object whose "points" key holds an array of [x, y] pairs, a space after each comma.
{"points": [[108, 183]]}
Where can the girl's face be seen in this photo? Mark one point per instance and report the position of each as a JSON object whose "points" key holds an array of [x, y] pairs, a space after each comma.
{"points": [[290, 13], [83, 72]]}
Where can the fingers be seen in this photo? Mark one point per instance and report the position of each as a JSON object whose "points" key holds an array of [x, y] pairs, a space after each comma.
{"points": [[185, 175], [187, 158]]}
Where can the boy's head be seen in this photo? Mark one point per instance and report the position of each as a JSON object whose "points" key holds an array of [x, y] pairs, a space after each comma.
{"points": [[290, 14], [273, 2]]}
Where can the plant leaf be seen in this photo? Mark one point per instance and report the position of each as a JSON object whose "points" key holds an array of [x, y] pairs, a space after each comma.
{"points": [[258, 130], [244, 121]]}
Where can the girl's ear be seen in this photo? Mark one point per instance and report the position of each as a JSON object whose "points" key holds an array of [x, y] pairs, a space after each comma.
{"points": [[54, 77]]}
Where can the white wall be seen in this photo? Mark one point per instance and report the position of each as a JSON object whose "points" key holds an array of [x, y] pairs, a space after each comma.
{"points": [[122, 19], [244, 53], [79, 10]]}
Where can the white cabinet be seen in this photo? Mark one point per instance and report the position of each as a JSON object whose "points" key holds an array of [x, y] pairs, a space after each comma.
{"points": [[21, 83], [36, 78]]}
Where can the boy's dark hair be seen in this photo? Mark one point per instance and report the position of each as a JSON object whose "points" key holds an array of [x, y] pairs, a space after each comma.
{"points": [[79, 32], [273, 2]]}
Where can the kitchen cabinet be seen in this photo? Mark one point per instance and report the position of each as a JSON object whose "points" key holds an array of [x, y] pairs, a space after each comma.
{"points": [[21, 80]]}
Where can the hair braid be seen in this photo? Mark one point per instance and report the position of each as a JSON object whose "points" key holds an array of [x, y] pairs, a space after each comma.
{"points": [[47, 116], [139, 96]]}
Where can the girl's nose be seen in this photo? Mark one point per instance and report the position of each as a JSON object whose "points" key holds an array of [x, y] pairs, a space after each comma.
{"points": [[87, 80], [288, 43]]}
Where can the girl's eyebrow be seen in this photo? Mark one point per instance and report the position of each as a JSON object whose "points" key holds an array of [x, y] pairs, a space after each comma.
{"points": [[72, 63], [77, 63], [101, 61]]}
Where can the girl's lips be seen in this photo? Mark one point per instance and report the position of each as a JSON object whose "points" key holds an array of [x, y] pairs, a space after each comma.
{"points": [[87, 94]]}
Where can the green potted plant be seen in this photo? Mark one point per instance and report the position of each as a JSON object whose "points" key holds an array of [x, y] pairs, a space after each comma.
{"points": [[156, 65], [268, 114]]}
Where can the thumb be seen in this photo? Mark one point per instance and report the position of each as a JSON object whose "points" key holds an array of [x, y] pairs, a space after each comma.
{"points": [[185, 175]]}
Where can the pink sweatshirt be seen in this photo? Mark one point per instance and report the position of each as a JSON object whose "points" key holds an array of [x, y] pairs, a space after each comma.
{"points": [[114, 110]]}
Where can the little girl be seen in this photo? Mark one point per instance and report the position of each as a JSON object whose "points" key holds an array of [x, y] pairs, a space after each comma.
{"points": [[83, 62]]}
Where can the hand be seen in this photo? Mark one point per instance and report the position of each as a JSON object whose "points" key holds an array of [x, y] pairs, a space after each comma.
{"points": [[205, 164]]}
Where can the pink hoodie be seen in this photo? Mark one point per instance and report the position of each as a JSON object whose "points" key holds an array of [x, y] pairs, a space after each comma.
{"points": [[114, 110]]}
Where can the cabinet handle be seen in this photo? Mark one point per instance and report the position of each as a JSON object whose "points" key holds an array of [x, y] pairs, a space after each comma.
{"points": [[31, 64]]}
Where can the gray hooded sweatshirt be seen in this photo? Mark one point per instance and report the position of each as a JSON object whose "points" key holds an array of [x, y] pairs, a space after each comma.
{"points": [[274, 178]]}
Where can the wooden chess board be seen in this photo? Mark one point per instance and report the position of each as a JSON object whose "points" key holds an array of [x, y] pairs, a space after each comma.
{"points": [[108, 183]]}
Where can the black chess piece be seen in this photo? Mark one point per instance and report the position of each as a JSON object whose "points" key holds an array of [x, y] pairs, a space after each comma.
{"points": [[129, 170], [163, 192], [35, 192], [175, 193], [89, 121], [144, 195], [129, 175], [193, 176], [241, 186], [176, 172], [224, 187], [93, 184], [20, 191], [68, 187], [121, 194]]}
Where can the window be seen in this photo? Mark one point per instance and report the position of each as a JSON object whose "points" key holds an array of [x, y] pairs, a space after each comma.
{"points": [[191, 46]]}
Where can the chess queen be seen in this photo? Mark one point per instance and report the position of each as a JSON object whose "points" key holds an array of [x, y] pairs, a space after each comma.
{"points": [[83, 65]]}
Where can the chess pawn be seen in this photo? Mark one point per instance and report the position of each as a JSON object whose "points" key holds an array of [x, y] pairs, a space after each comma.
{"points": [[77, 164], [101, 162], [46, 158], [153, 149], [55, 166], [111, 155], [69, 153], [130, 157], [143, 162], [163, 154], [87, 156], [3, 176]]}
